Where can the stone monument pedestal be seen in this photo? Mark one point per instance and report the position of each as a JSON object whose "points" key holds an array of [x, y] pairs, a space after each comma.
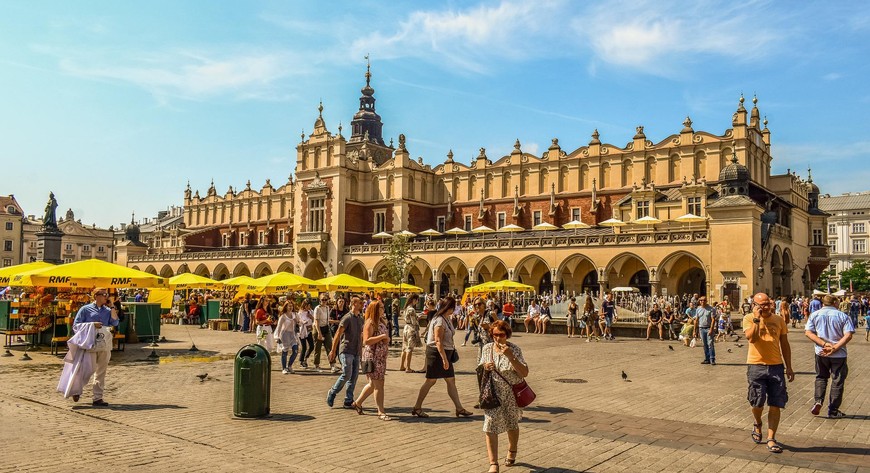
{"points": [[48, 244]]}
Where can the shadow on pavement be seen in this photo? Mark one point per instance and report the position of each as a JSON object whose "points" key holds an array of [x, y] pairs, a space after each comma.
{"points": [[840, 450], [546, 469], [130, 407], [550, 409], [289, 418]]}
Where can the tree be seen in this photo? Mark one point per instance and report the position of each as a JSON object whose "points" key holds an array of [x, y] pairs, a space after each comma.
{"points": [[827, 276], [399, 259], [858, 276]]}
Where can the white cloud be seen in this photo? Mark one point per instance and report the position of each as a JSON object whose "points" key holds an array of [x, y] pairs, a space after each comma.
{"points": [[832, 76], [188, 74], [658, 37], [469, 39]]}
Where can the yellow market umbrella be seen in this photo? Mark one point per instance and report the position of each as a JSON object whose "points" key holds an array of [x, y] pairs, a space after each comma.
{"points": [[647, 221], [8, 272], [192, 281], [237, 281], [545, 227], [494, 286], [281, 282], [87, 274], [388, 286], [344, 282], [690, 218]]}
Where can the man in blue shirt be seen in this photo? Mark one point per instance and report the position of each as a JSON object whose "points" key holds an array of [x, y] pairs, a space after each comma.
{"points": [[815, 304], [99, 314], [705, 324], [855, 307], [830, 330]]}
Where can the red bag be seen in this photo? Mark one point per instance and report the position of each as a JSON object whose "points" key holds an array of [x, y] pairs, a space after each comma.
{"points": [[522, 392]]}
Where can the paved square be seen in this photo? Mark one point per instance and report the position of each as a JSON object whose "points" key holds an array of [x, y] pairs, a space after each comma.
{"points": [[673, 415]]}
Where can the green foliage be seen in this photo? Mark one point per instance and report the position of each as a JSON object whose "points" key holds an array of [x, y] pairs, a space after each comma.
{"points": [[827, 275], [399, 259], [858, 275]]}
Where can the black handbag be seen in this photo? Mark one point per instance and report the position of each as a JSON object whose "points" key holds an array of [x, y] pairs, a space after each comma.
{"points": [[368, 366], [454, 357], [488, 397]]}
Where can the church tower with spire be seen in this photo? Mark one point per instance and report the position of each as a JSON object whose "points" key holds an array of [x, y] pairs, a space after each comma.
{"points": [[366, 124]]}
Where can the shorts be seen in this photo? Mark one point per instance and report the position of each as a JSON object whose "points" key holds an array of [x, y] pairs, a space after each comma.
{"points": [[608, 321], [572, 321], [766, 383]]}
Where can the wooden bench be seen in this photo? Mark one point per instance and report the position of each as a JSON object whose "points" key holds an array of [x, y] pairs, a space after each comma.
{"points": [[55, 344], [122, 341], [16, 333]]}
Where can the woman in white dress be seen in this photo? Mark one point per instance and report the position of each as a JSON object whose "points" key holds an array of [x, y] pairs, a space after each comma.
{"points": [[501, 357]]}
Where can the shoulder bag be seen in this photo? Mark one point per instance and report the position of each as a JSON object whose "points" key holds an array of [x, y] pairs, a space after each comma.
{"points": [[522, 391]]}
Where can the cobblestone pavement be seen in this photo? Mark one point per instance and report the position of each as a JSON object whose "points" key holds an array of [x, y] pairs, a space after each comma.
{"points": [[673, 415]]}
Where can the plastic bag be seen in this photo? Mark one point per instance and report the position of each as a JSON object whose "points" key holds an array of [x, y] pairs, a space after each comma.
{"points": [[693, 342]]}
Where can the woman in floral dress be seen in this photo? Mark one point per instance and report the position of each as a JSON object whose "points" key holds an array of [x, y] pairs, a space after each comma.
{"points": [[507, 359], [375, 338]]}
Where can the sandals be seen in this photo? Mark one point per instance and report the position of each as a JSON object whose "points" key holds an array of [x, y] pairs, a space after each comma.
{"points": [[418, 412], [464, 413], [493, 468], [384, 417], [756, 433], [511, 458], [357, 407], [775, 448]]}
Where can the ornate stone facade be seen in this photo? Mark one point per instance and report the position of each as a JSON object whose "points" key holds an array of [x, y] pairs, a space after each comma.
{"points": [[754, 232]]}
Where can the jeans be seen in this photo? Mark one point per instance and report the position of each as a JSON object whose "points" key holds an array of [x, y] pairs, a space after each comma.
{"points": [[709, 349], [246, 324], [349, 373], [307, 348], [396, 324], [837, 370], [284, 363], [326, 344]]}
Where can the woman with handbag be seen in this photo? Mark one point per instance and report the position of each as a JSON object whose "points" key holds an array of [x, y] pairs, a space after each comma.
{"points": [[411, 333], [374, 357], [505, 366], [440, 356]]}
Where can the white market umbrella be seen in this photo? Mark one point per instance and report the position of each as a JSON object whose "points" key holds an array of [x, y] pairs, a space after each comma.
{"points": [[483, 230], [430, 233], [545, 227], [456, 231], [511, 229], [625, 289], [574, 225], [690, 218], [382, 235], [647, 221], [406, 234], [612, 222]]}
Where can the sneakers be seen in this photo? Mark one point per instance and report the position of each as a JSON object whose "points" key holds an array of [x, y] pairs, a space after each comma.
{"points": [[330, 398], [713, 362], [102, 403], [284, 371], [335, 370], [317, 369], [588, 340], [817, 407], [705, 362], [836, 414]]}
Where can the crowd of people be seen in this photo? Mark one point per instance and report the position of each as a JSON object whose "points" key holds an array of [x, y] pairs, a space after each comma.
{"points": [[356, 331]]}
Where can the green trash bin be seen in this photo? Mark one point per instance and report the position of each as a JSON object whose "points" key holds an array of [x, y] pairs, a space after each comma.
{"points": [[252, 382]]}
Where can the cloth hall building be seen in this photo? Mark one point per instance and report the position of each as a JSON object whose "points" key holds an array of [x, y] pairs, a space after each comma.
{"points": [[758, 231]]}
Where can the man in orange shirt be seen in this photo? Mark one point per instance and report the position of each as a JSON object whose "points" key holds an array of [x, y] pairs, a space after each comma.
{"points": [[508, 310], [769, 363]]}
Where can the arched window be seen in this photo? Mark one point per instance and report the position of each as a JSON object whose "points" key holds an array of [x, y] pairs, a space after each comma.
{"points": [[506, 189], [626, 173], [390, 194], [650, 171], [376, 189], [700, 165], [543, 181], [584, 177], [673, 168], [472, 188], [604, 175], [563, 179], [412, 188]]}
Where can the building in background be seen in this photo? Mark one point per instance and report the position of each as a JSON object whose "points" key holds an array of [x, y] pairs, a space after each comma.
{"points": [[11, 231], [80, 242], [847, 229], [694, 212]]}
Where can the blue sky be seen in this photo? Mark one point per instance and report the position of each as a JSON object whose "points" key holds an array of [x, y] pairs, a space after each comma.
{"points": [[116, 105]]}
